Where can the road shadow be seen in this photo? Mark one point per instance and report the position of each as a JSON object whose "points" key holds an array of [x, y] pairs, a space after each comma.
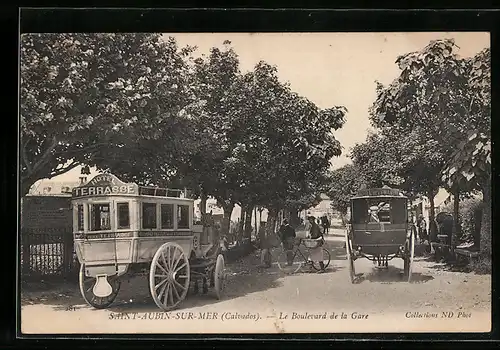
{"points": [[449, 267], [239, 282], [243, 277], [391, 274]]}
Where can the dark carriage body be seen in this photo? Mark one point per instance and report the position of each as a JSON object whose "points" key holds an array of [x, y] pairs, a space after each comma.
{"points": [[379, 228], [384, 232]]}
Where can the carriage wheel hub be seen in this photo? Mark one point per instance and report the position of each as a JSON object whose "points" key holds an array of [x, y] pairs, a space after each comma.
{"points": [[171, 276]]}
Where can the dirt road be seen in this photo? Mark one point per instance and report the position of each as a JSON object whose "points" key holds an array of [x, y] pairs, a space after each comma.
{"points": [[266, 300]]}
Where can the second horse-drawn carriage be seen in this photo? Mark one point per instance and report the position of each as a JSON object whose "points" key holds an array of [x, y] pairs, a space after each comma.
{"points": [[379, 229], [123, 229]]}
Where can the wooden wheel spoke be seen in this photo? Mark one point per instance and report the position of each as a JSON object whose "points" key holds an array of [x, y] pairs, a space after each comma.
{"points": [[182, 276], [164, 262], [161, 267], [181, 267], [167, 294], [177, 262], [180, 285], [160, 284], [162, 290], [174, 287], [170, 293], [166, 259], [160, 276]]}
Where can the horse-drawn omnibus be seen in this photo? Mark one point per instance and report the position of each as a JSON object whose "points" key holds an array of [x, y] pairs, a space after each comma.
{"points": [[123, 228], [379, 229]]}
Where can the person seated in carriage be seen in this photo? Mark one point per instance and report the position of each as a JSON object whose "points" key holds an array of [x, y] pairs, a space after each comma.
{"points": [[316, 254]]}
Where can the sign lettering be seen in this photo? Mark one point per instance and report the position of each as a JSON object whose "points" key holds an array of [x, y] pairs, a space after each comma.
{"points": [[105, 184], [379, 192]]}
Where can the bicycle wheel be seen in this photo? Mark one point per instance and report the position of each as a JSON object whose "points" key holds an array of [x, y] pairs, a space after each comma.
{"points": [[283, 263], [326, 260]]}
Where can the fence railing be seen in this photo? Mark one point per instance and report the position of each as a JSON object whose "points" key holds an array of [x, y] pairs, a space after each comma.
{"points": [[45, 255]]}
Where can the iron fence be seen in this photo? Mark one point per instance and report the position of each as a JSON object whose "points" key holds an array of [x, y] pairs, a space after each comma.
{"points": [[45, 255]]}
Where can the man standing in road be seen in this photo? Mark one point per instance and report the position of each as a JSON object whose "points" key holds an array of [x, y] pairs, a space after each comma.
{"points": [[316, 254], [325, 224], [287, 235]]}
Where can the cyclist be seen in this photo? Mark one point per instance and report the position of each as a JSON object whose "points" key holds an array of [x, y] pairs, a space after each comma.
{"points": [[287, 235], [316, 254]]}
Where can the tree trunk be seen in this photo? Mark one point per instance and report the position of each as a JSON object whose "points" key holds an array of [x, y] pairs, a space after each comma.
{"points": [[241, 224], [294, 217], [271, 221], [256, 223], [203, 201], [226, 219], [432, 214], [269, 232], [456, 217], [485, 244], [248, 222]]}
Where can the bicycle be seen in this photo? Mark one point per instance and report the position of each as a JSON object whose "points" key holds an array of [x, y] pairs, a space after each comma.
{"points": [[308, 244]]}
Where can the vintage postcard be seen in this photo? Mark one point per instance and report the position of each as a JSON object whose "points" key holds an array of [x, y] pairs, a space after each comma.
{"points": [[239, 183]]}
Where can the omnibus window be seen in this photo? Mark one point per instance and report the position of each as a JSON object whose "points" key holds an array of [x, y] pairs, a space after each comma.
{"points": [[167, 216], [123, 215], [379, 210], [399, 210], [183, 216], [148, 215], [99, 217], [359, 211], [80, 217]]}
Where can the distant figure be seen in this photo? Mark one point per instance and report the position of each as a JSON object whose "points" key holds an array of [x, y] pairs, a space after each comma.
{"points": [[316, 254], [287, 236], [422, 228], [325, 224]]}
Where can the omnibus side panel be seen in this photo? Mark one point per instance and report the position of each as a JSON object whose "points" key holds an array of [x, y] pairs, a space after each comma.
{"points": [[148, 246], [377, 234], [107, 251]]}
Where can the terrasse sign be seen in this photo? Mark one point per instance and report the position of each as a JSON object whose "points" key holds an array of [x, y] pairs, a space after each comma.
{"points": [[105, 184]]}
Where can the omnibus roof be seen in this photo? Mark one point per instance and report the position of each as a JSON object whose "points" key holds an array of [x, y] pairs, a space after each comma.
{"points": [[109, 184]]}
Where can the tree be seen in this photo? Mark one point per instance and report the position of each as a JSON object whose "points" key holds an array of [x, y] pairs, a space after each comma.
{"points": [[344, 184], [213, 77], [286, 142], [470, 165], [82, 94], [431, 94]]}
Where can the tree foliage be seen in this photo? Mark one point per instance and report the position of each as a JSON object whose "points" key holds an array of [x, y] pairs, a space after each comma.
{"points": [[344, 184], [84, 97], [148, 111]]}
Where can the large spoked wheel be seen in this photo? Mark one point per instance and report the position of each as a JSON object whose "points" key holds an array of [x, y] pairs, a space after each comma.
{"points": [[219, 276], [408, 257], [326, 260], [169, 276], [87, 285], [283, 264], [350, 261]]}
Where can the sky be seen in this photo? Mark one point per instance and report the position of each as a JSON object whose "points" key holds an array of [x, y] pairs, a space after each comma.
{"points": [[330, 69]]}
